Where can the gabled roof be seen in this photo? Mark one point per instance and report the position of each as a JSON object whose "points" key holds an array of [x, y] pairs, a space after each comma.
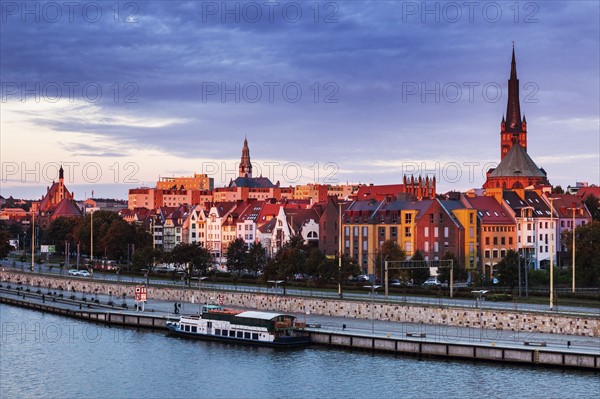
{"points": [[489, 210], [584, 192], [252, 182], [296, 218], [379, 192], [66, 207], [532, 199], [268, 227], [517, 163], [562, 203]]}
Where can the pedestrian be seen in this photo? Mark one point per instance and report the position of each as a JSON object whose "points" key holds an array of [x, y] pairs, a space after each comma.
{"points": [[43, 298], [568, 344], [176, 308]]}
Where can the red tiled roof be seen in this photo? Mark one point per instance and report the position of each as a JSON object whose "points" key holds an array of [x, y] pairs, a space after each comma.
{"points": [[489, 210], [379, 192], [66, 207], [584, 192]]}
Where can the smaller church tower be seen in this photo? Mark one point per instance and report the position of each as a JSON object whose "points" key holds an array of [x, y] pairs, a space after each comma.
{"points": [[513, 129], [245, 164]]}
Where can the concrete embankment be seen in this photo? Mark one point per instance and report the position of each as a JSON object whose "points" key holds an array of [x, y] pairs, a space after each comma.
{"points": [[532, 322], [531, 353]]}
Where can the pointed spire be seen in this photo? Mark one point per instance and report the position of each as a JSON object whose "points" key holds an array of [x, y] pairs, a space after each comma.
{"points": [[61, 173], [513, 108]]}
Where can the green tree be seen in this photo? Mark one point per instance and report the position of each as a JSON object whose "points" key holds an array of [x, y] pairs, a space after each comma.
{"points": [[587, 254], [190, 258], [593, 205], [146, 258], [102, 222], [237, 256], [313, 261], [459, 272], [60, 230], [421, 274], [390, 251], [508, 269], [558, 190], [256, 259], [5, 247]]}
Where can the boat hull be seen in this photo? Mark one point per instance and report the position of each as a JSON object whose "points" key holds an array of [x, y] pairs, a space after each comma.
{"points": [[285, 342]]}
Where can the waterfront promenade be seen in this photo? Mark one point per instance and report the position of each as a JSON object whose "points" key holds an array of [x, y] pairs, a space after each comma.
{"points": [[346, 332]]}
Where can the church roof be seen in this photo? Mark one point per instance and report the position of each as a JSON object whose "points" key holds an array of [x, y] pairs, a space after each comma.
{"points": [[66, 207], [252, 182], [517, 163]]}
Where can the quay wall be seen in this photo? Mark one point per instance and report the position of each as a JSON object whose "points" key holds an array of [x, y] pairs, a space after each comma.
{"points": [[531, 322]]}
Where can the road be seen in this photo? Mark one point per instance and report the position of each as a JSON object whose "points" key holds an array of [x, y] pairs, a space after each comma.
{"points": [[319, 293]]}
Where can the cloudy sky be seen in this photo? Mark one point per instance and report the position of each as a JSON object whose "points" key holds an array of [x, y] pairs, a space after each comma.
{"points": [[341, 91]]}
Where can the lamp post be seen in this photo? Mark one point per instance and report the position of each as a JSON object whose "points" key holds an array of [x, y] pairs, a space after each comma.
{"points": [[32, 239], [373, 288], [552, 252], [573, 208], [91, 235], [276, 282], [340, 252], [200, 279], [147, 276]]}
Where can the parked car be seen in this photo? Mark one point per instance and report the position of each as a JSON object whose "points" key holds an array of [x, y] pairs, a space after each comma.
{"points": [[431, 282], [84, 273], [73, 272], [395, 283]]}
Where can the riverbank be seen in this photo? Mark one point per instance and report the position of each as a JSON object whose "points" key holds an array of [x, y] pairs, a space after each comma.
{"points": [[522, 321], [530, 352]]}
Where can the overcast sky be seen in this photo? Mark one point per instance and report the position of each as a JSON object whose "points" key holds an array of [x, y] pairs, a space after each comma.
{"points": [[343, 91]]}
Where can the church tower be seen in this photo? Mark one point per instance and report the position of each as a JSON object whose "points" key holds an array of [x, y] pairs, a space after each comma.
{"points": [[245, 165], [513, 129]]}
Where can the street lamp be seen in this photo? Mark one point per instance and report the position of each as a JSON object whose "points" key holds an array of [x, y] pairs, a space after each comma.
{"points": [[276, 282], [92, 236], [573, 208], [478, 297], [373, 288], [552, 252], [146, 275], [200, 279]]}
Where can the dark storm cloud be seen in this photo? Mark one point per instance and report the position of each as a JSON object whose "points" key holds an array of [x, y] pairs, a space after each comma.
{"points": [[364, 57]]}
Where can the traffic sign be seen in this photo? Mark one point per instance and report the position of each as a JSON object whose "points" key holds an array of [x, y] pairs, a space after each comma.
{"points": [[140, 293]]}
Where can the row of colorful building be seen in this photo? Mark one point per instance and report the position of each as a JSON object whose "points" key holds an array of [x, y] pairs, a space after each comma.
{"points": [[515, 209]]}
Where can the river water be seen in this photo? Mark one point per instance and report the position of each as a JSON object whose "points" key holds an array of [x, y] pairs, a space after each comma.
{"points": [[48, 356]]}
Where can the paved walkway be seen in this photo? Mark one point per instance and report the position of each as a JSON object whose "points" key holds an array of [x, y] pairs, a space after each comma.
{"points": [[433, 333]]}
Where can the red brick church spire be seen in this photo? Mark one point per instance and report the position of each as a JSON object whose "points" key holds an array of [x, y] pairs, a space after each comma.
{"points": [[245, 164], [512, 129]]}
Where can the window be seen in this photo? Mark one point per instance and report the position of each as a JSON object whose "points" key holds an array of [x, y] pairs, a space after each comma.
{"points": [[471, 247], [364, 246], [471, 217], [240, 334], [529, 239], [407, 232], [365, 231], [426, 248], [546, 248], [347, 244], [436, 232], [381, 231], [355, 231], [495, 253], [436, 246], [471, 232], [541, 249], [502, 240], [217, 331], [495, 240], [528, 226], [408, 218], [486, 253], [254, 335], [393, 232], [347, 230], [247, 335], [445, 232], [487, 240], [502, 253], [194, 329], [232, 333], [426, 232], [431, 218], [510, 241], [408, 246], [224, 333], [546, 225]]}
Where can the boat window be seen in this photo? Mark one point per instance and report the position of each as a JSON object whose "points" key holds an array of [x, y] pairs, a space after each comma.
{"points": [[254, 336], [224, 333], [240, 334], [209, 324], [194, 329], [217, 331], [247, 335], [231, 333]]}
